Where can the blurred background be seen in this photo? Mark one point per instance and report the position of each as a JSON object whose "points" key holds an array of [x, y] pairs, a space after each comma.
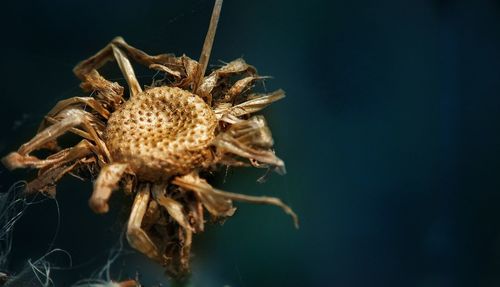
{"points": [[390, 133]]}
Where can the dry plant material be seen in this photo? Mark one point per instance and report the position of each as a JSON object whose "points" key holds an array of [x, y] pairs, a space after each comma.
{"points": [[155, 142]]}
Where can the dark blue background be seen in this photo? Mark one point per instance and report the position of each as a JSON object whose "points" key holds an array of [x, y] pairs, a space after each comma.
{"points": [[390, 132]]}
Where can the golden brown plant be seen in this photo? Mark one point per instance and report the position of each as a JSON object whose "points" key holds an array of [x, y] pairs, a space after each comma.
{"points": [[155, 144]]}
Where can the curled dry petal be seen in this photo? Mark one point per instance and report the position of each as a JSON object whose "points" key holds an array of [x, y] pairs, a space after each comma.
{"points": [[217, 206], [107, 181], [250, 139], [257, 103], [110, 92], [194, 182], [174, 208]]}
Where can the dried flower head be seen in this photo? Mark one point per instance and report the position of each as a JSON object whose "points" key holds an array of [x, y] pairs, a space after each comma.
{"points": [[155, 143]]}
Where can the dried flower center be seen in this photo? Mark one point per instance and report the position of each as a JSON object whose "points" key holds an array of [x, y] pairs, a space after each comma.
{"points": [[161, 132]]}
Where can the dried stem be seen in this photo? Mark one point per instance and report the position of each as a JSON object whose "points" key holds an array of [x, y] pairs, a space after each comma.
{"points": [[207, 46]]}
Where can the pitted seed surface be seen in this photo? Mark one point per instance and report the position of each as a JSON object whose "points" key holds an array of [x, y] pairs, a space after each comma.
{"points": [[161, 132]]}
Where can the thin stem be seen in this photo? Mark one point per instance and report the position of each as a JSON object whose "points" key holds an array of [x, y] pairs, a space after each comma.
{"points": [[207, 46]]}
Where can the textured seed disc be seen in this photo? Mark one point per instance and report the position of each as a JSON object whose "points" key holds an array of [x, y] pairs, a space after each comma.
{"points": [[161, 132]]}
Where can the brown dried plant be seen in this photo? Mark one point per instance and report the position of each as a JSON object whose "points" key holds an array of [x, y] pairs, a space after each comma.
{"points": [[154, 144]]}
